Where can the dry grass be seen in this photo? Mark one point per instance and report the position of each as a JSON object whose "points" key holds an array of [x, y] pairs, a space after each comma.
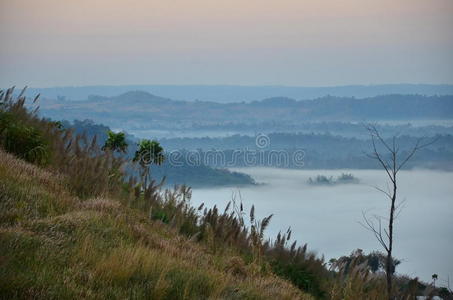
{"points": [[99, 249], [28, 192]]}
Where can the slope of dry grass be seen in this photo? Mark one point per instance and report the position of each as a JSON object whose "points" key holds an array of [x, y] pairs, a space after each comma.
{"points": [[56, 246]]}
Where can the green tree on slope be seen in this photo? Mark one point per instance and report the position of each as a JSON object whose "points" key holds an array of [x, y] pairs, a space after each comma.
{"points": [[149, 152], [116, 142]]}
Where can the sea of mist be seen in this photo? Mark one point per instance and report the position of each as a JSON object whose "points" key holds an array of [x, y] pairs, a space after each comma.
{"points": [[328, 218]]}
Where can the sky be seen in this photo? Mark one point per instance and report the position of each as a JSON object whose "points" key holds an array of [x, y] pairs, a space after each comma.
{"points": [[48, 43]]}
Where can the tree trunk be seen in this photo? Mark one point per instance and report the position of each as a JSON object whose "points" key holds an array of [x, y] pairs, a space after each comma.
{"points": [[389, 264]]}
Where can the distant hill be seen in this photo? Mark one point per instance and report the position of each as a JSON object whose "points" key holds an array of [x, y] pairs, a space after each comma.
{"points": [[142, 110], [236, 93]]}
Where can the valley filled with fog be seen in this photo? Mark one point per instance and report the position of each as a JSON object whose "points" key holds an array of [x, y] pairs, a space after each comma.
{"points": [[287, 157], [328, 218]]}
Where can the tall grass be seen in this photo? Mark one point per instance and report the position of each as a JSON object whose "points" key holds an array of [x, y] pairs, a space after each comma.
{"points": [[100, 249], [89, 171]]}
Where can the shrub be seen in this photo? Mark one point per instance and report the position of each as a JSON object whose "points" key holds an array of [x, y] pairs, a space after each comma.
{"points": [[23, 141]]}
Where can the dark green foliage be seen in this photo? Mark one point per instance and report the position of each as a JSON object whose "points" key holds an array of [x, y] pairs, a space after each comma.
{"points": [[445, 293], [299, 276], [298, 265], [24, 141], [375, 261], [19, 130], [160, 215], [149, 152], [116, 142]]}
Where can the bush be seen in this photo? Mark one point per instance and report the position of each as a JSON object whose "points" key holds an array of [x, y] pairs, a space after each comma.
{"points": [[23, 141]]}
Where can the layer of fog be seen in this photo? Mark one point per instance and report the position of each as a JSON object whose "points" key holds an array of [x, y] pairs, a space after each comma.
{"points": [[420, 128], [328, 217], [153, 133]]}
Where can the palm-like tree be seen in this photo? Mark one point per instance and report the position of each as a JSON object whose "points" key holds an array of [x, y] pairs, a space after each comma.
{"points": [[116, 142], [149, 152]]}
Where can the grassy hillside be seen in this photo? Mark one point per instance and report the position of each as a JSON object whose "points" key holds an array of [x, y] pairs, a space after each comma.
{"points": [[54, 245]]}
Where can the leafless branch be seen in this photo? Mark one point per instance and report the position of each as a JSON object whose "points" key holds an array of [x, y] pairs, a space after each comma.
{"points": [[378, 157], [369, 225], [382, 191], [418, 146], [399, 208]]}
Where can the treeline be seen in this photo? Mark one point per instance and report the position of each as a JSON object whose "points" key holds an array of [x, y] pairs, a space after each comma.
{"points": [[317, 151], [143, 110], [345, 129]]}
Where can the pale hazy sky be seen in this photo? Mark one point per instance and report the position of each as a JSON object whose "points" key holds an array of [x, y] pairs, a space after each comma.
{"points": [[249, 42]]}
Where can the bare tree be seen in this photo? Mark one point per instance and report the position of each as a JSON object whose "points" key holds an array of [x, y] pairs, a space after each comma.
{"points": [[392, 163]]}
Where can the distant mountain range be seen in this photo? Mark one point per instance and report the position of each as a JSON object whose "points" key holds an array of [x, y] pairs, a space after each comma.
{"points": [[236, 93], [143, 110]]}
